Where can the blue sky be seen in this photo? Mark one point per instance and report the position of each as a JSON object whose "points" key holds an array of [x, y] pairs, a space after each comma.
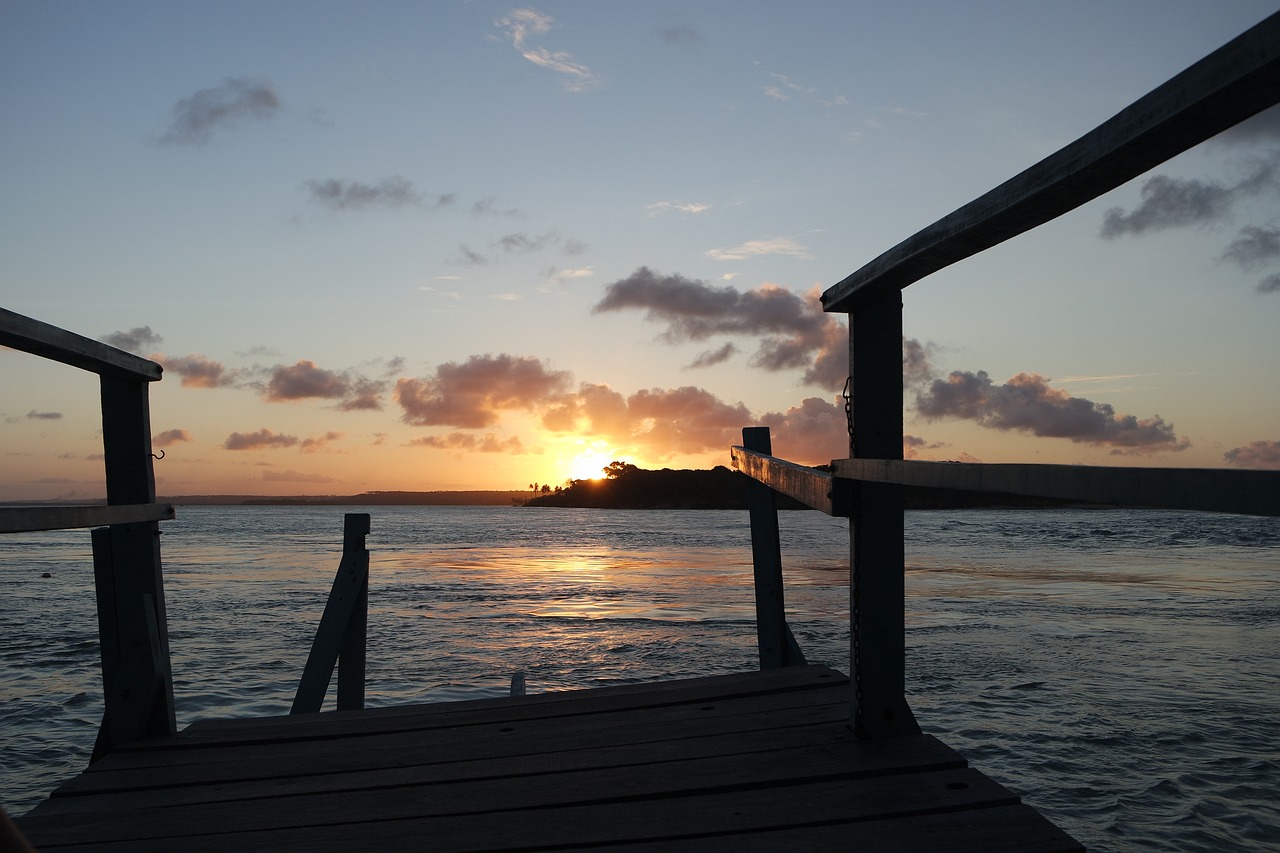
{"points": [[456, 245]]}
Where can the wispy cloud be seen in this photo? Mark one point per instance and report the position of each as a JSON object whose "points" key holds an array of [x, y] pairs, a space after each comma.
{"points": [[520, 25], [679, 35], [488, 443], [393, 192], [237, 100], [137, 340], [306, 380], [33, 415], [660, 207], [515, 244], [786, 246], [199, 371], [296, 477]]}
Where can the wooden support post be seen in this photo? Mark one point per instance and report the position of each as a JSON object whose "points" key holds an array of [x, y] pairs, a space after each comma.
{"points": [[778, 646], [132, 622], [341, 633], [876, 588]]}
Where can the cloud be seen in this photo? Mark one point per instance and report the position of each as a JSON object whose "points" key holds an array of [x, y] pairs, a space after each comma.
{"points": [[238, 99], [813, 433], [392, 192], [473, 394], [263, 438], [794, 332], [912, 445], [758, 248], [197, 371], [521, 24], [1026, 403], [1255, 454], [679, 35], [306, 380], [713, 357], [137, 340], [660, 207], [1270, 284], [296, 477], [170, 437], [1255, 246], [1173, 202], [519, 243], [317, 443], [33, 415], [489, 443], [486, 207], [685, 420]]}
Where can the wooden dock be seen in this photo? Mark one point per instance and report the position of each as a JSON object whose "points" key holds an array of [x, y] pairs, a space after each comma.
{"points": [[759, 761]]}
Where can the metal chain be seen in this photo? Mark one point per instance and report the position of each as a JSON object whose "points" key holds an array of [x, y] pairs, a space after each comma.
{"points": [[855, 579]]}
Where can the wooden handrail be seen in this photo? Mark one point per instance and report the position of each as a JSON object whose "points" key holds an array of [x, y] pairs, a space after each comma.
{"points": [[42, 339], [1231, 84], [24, 519]]}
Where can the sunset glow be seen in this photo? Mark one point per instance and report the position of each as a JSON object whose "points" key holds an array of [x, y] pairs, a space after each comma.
{"points": [[430, 258]]}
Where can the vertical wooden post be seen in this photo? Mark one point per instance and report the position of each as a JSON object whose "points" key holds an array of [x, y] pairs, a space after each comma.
{"points": [[876, 589], [341, 632], [351, 655], [778, 647], [132, 621]]}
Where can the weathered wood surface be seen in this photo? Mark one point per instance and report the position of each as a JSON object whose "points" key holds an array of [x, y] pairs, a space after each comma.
{"points": [[33, 336], [24, 519], [1236, 81], [1201, 489], [812, 487], [753, 761], [776, 644], [340, 636]]}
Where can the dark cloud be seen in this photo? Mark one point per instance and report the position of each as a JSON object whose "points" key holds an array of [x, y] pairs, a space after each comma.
{"points": [[794, 332], [33, 415], [393, 192], [713, 357], [197, 371], [813, 433], [263, 438], [238, 99], [1270, 284], [170, 437], [1172, 202], [474, 393], [306, 380], [917, 362], [1255, 454], [1027, 403], [912, 445], [679, 35], [489, 443], [487, 207], [1254, 248], [136, 341]]}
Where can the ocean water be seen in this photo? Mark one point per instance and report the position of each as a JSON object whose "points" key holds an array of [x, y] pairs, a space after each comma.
{"points": [[1119, 670]]}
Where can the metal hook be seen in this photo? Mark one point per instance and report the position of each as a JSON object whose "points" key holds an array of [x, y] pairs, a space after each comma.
{"points": [[161, 456]]}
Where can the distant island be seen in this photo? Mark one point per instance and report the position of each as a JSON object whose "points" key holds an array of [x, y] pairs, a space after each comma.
{"points": [[626, 486], [438, 498]]}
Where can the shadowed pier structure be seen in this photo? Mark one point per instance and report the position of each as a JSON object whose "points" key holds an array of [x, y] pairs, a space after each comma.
{"points": [[793, 756]]}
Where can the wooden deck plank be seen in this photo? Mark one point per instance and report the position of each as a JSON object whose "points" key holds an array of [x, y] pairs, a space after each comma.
{"points": [[589, 808], [721, 763], [442, 746], [1017, 827], [893, 756], [594, 700]]}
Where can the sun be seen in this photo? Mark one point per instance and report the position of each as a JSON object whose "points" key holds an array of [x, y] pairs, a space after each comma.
{"points": [[589, 465]]}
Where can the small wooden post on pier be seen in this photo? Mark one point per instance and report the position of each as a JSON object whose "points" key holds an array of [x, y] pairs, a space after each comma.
{"points": [[340, 637], [778, 646]]}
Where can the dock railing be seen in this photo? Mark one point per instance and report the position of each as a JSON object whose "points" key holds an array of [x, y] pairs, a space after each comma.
{"points": [[132, 624], [1235, 82]]}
